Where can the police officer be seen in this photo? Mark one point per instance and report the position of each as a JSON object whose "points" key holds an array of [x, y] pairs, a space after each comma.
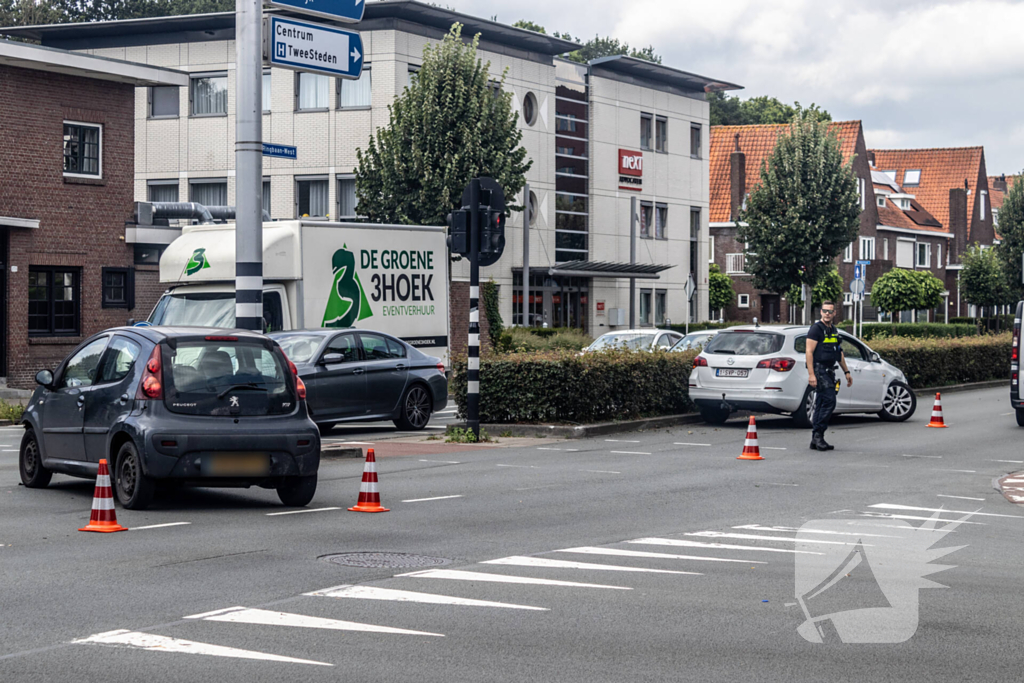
{"points": [[823, 352]]}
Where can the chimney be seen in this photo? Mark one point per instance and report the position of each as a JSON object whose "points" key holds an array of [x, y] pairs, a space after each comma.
{"points": [[958, 222], [737, 180], [1000, 183], [871, 158]]}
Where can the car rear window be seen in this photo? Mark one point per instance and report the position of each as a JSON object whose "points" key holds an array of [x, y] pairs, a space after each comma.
{"points": [[229, 378], [745, 343]]}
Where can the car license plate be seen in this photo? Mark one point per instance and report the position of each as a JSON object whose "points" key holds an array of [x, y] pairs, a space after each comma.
{"points": [[237, 464], [731, 372]]}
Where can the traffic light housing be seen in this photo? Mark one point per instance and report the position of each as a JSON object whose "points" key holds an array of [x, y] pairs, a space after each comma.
{"points": [[458, 232], [492, 234]]}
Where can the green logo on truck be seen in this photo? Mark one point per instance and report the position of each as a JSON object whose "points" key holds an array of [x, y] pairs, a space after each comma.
{"points": [[347, 303], [196, 262]]}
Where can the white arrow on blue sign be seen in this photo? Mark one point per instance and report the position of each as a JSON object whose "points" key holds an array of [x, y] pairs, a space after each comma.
{"points": [[340, 10], [304, 46]]}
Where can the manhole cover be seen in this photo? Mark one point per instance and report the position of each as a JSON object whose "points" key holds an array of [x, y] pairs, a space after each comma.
{"points": [[386, 560]]}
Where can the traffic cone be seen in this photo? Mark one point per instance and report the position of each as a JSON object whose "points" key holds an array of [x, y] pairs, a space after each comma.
{"points": [[103, 518], [369, 496], [750, 449], [937, 413]]}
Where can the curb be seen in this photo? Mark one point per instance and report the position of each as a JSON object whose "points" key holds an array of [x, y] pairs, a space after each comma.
{"points": [[341, 452], [954, 388]]}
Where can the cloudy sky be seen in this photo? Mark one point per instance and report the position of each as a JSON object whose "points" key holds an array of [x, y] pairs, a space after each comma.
{"points": [[918, 73]]}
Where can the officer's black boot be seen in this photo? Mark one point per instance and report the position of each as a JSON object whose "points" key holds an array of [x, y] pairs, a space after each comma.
{"points": [[818, 442], [824, 445]]}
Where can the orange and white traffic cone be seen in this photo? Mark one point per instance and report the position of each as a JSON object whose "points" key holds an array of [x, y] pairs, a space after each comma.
{"points": [[750, 449], [103, 518], [937, 413], [369, 496]]}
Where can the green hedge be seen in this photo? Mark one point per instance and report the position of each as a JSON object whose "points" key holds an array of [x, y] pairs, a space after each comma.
{"points": [[569, 388], [941, 362], [917, 330], [1005, 322]]}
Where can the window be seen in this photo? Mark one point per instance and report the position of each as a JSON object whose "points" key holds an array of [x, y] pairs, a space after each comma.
{"points": [[353, 94], [711, 249], [645, 307], [912, 177], [743, 301], [903, 203], [982, 196], [848, 253], [344, 345], [695, 141], [375, 347], [311, 197], [904, 253], [265, 195], [412, 74], [118, 361], [861, 192], [273, 312], [53, 301], [162, 190], [867, 248], [313, 91], [660, 306], [208, 192], [646, 120], [885, 248], [734, 263], [646, 218], [661, 134], [530, 109], [148, 255], [118, 288], [995, 218], [208, 95], [880, 200], [660, 221], [346, 196], [266, 92], [82, 155], [81, 368], [938, 256], [694, 240], [891, 174], [924, 255], [163, 101]]}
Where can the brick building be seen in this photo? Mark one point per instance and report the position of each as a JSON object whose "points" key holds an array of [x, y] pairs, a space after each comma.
{"points": [[67, 175]]}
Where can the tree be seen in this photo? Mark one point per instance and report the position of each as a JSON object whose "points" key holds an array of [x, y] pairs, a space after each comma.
{"points": [[605, 47], [906, 290], [804, 210], [449, 126], [828, 288], [727, 110], [720, 292], [1011, 229], [983, 280], [529, 26], [32, 12]]}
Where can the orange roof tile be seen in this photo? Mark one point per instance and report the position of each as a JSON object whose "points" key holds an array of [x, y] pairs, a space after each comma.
{"points": [[997, 196], [895, 217], [941, 171], [757, 143]]}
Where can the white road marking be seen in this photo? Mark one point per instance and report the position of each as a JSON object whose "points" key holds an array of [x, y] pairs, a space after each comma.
{"points": [[299, 512], [683, 443], [243, 615], [893, 506], [630, 453], [938, 457], [884, 515], [1013, 481], [773, 448], [757, 527], [374, 593], [602, 471], [942, 469], [353, 443], [431, 427], [10, 450], [942, 495], [1015, 462], [620, 441], [446, 462], [532, 488], [533, 467], [460, 575], [775, 483], [1004, 414], [445, 412], [519, 561], [155, 643], [159, 526], [757, 537], [726, 546], [640, 553], [422, 500]]}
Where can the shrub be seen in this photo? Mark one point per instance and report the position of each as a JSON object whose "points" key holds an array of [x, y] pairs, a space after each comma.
{"points": [[525, 340], [914, 330], [1004, 322], [560, 386], [934, 362], [11, 411]]}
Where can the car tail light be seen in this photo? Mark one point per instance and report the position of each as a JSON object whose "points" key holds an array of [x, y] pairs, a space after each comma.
{"points": [[440, 368], [700, 362], [778, 364], [300, 386], [1015, 353], [151, 386]]}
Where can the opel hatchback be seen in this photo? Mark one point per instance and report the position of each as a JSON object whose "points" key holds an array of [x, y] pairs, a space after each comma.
{"points": [[190, 405]]}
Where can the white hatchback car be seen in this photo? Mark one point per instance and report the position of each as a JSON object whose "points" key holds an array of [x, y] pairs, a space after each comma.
{"points": [[763, 369], [644, 339]]}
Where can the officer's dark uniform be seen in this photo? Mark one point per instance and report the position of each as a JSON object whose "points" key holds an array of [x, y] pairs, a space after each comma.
{"points": [[827, 354]]}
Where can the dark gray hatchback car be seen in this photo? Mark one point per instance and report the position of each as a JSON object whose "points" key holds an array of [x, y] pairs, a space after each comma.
{"points": [[364, 375], [162, 404]]}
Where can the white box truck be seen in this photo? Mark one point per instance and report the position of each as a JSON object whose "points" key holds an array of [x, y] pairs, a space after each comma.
{"points": [[391, 278]]}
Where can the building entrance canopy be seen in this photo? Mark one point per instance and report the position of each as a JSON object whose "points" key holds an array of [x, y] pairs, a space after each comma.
{"points": [[607, 269]]}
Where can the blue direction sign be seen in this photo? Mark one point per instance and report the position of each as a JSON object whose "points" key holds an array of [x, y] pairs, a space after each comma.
{"points": [[304, 46], [282, 151], [857, 272], [339, 10]]}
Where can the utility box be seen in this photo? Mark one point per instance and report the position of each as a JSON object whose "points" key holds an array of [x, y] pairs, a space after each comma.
{"points": [[616, 317]]}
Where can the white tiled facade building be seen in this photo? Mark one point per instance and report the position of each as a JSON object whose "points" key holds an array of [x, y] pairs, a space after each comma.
{"points": [[576, 121]]}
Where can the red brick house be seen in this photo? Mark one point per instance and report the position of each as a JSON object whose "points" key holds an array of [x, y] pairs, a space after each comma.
{"points": [[67, 176], [737, 153], [999, 186]]}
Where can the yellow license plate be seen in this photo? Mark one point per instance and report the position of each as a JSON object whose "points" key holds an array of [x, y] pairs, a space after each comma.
{"points": [[238, 464]]}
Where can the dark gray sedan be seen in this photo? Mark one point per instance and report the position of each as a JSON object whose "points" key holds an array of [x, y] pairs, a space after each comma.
{"points": [[364, 375]]}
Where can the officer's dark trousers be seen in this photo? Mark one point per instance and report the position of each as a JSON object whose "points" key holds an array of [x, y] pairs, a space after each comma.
{"points": [[826, 401]]}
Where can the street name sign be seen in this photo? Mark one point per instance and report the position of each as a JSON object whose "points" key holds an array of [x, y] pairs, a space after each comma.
{"points": [[304, 46], [282, 151], [349, 11]]}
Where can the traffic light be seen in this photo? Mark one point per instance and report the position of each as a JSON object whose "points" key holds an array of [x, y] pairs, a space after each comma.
{"points": [[492, 239], [458, 232]]}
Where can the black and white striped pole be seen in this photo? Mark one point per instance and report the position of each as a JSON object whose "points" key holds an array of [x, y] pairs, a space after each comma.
{"points": [[249, 165], [473, 359]]}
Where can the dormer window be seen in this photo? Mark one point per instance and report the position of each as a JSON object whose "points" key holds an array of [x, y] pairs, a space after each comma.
{"points": [[904, 204], [912, 177], [880, 199]]}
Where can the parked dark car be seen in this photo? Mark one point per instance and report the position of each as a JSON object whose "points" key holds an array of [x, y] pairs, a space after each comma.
{"points": [[363, 375], [195, 406]]}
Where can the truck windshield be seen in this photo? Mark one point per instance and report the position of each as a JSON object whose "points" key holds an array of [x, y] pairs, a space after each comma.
{"points": [[210, 309]]}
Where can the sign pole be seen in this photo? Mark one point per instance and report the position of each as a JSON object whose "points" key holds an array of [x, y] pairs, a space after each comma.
{"points": [[473, 359], [632, 260], [249, 165], [526, 256]]}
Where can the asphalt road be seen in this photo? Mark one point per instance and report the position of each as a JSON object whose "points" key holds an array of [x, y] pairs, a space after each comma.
{"points": [[223, 593]]}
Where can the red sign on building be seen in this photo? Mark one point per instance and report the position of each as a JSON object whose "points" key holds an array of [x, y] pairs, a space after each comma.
{"points": [[631, 170]]}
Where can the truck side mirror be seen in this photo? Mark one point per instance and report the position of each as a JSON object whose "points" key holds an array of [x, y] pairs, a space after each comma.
{"points": [[44, 378]]}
